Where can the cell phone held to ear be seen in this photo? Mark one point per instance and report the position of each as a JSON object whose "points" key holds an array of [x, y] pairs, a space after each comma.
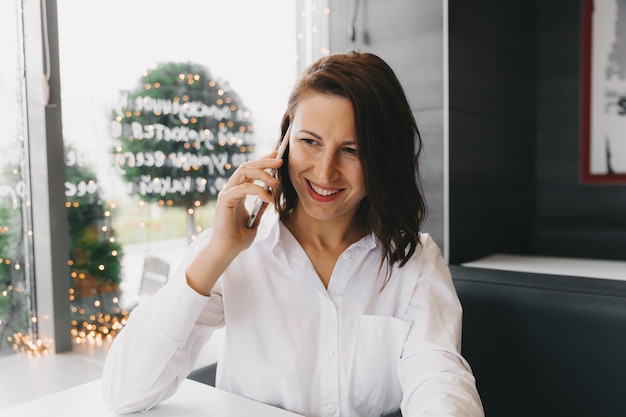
{"points": [[258, 204]]}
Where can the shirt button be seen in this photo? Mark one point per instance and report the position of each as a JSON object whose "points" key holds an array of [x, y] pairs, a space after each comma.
{"points": [[331, 409], [330, 354], [348, 255]]}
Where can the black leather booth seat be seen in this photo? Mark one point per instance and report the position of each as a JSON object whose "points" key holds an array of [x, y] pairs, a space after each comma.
{"points": [[544, 345]]}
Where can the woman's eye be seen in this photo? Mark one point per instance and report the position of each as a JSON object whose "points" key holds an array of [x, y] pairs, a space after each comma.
{"points": [[351, 151], [309, 141]]}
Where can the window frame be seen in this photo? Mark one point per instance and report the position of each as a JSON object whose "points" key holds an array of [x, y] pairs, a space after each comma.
{"points": [[44, 144]]}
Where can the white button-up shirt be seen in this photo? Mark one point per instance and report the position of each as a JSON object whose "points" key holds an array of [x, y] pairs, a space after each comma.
{"points": [[356, 348]]}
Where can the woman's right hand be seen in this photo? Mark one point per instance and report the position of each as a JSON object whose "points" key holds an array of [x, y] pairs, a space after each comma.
{"points": [[230, 235], [231, 215]]}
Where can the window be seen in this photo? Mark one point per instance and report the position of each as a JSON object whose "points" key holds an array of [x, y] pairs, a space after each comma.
{"points": [[123, 242], [161, 102]]}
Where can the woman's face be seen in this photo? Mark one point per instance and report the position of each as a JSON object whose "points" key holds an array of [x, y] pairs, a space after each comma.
{"points": [[324, 165]]}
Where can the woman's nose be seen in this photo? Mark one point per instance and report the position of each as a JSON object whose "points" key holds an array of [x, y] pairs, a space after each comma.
{"points": [[327, 167]]}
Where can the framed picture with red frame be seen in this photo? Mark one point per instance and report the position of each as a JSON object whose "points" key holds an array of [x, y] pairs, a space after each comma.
{"points": [[603, 105]]}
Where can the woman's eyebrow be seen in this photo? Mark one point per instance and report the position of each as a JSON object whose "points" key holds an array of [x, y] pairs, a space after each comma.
{"points": [[308, 132], [318, 137]]}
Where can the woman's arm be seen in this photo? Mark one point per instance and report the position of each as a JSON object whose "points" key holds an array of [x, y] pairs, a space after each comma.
{"points": [[160, 344], [163, 338], [436, 380]]}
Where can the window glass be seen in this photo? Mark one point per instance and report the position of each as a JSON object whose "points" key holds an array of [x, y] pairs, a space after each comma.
{"points": [[17, 312], [162, 100]]}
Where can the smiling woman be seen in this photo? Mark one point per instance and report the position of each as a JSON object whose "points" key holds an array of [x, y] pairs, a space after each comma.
{"points": [[344, 306]]}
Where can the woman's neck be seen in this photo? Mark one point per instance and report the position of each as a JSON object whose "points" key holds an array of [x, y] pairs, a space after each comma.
{"points": [[335, 235]]}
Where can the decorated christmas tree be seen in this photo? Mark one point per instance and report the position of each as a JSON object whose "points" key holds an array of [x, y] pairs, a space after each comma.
{"points": [[179, 135]]}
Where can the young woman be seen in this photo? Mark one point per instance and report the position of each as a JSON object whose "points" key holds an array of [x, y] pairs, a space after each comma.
{"points": [[345, 308]]}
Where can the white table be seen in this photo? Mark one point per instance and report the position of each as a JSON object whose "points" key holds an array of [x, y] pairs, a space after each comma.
{"points": [[553, 265], [192, 399]]}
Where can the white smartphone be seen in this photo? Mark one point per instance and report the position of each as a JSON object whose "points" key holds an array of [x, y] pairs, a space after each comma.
{"points": [[259, 203]]}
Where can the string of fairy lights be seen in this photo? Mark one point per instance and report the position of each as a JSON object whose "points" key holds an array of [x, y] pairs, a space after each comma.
{"points": [[312, 32], [86, 326]]}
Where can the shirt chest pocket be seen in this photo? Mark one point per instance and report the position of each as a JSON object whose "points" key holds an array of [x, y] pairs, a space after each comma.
{"points": [[379, 346]]}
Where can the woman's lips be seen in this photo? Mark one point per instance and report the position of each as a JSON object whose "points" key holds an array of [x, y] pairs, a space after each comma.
{"points": [[323, 194]]}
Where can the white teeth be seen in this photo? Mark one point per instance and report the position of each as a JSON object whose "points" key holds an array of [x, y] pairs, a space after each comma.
{"points": [[322, 191]]}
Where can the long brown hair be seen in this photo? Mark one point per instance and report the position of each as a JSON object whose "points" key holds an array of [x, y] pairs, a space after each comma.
{"points": [[389, 146]]}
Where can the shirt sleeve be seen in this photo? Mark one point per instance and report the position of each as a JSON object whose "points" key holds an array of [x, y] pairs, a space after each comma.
{"points": [[436, 380], [160, 343]]}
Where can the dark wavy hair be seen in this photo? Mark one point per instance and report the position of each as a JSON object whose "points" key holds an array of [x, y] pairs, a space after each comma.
{"points": [[389, 146]]}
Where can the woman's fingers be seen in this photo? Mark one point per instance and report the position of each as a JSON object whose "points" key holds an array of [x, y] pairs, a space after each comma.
{"points": [[255, 171], [237, 193]]}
